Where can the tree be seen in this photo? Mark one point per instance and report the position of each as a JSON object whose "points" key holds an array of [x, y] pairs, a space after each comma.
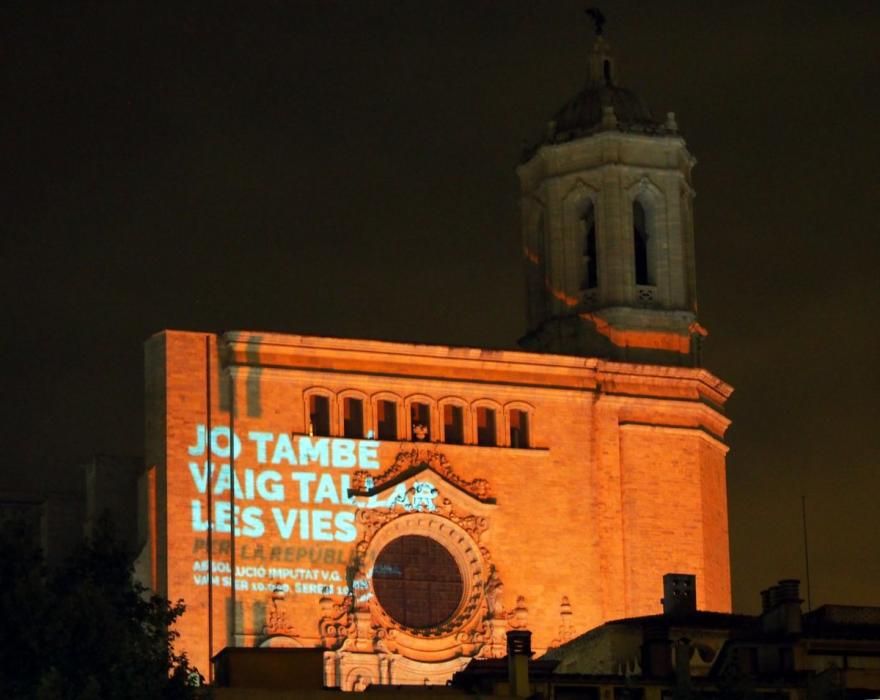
{"points": [[86, 630]]}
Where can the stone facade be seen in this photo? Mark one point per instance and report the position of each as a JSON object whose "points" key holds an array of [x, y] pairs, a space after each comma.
{"points": [[621, 480]]}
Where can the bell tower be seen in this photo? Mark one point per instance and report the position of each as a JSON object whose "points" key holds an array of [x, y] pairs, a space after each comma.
{"points": [[606, 204]]}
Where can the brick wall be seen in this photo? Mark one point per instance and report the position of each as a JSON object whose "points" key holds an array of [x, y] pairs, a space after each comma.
{"points": [[624, 480]]}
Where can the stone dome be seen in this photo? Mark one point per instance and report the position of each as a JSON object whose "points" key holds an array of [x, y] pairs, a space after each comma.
{"points": [[583, 113], [602, 105]]}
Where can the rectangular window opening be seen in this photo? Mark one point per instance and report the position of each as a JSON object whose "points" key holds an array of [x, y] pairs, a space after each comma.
{"points": [[485, 426], [319, 415], [453, 424], [421, 421], [353, 418], [519, 428], [387, 420]]}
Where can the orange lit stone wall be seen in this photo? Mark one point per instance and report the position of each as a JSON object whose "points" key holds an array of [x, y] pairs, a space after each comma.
{"points": [[623, 481]]}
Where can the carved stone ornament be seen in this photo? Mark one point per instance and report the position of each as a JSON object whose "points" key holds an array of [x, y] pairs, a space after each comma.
{"points": [[276, 621], [496, 619], [359, 624], [566, 629], [412, 459], [518, 618], [335, 622]]}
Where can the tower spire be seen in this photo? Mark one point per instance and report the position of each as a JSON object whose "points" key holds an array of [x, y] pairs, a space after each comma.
{"points": [[601, 59]]}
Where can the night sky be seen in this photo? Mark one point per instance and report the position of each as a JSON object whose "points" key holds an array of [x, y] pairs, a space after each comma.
{"points": [[347, 168]]}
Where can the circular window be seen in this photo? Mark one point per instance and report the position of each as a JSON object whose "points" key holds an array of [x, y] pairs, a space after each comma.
{"points": [[417, 582]]}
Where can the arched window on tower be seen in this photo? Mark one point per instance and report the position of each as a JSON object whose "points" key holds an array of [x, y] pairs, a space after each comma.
{"points": [[641, 246], [590, 262]]}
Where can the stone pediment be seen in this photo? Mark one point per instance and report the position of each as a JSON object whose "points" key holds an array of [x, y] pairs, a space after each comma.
{"points": [[414, 461]]}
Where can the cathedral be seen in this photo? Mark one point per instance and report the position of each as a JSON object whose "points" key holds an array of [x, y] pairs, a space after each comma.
{"points": [[403, 506]]}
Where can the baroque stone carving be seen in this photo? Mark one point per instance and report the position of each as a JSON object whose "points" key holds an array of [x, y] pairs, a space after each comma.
{"points": [[335, 622], [494, 591], [412, 458], [276, 621], [566, 629], [495, 628], [359, 624], [372, 519], [518, 618]]}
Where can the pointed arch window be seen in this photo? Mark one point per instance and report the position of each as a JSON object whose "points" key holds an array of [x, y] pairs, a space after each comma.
{"points": [[590, 260], [641, 246]]}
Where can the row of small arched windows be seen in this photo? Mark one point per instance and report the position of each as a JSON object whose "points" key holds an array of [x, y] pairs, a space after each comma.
{"points": [[418, 418]]}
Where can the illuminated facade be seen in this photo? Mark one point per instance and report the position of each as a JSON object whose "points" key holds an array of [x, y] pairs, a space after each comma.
{"points": [[403, 506]]}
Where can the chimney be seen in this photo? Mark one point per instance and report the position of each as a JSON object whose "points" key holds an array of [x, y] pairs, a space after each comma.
{"points": [[781, 608], [679, 594], [765, 600], [519, 651], [789, 590], [790, 602]]}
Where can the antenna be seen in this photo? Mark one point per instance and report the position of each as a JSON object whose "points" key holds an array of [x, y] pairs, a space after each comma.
{"points": [[806, 551]]}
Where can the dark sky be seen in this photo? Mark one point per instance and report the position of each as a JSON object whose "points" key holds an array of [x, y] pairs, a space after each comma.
{"points": [[347, 168]]}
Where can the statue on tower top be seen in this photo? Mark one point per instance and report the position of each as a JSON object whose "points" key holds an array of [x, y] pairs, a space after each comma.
{"points": [[595, 14]]}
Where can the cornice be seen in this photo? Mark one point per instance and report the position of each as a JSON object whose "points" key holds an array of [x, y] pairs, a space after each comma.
{"points": [[609, 150], [282, 352], [689, 431]]}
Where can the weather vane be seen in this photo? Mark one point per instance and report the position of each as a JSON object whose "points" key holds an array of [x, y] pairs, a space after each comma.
{"points": [[598, 18]]}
